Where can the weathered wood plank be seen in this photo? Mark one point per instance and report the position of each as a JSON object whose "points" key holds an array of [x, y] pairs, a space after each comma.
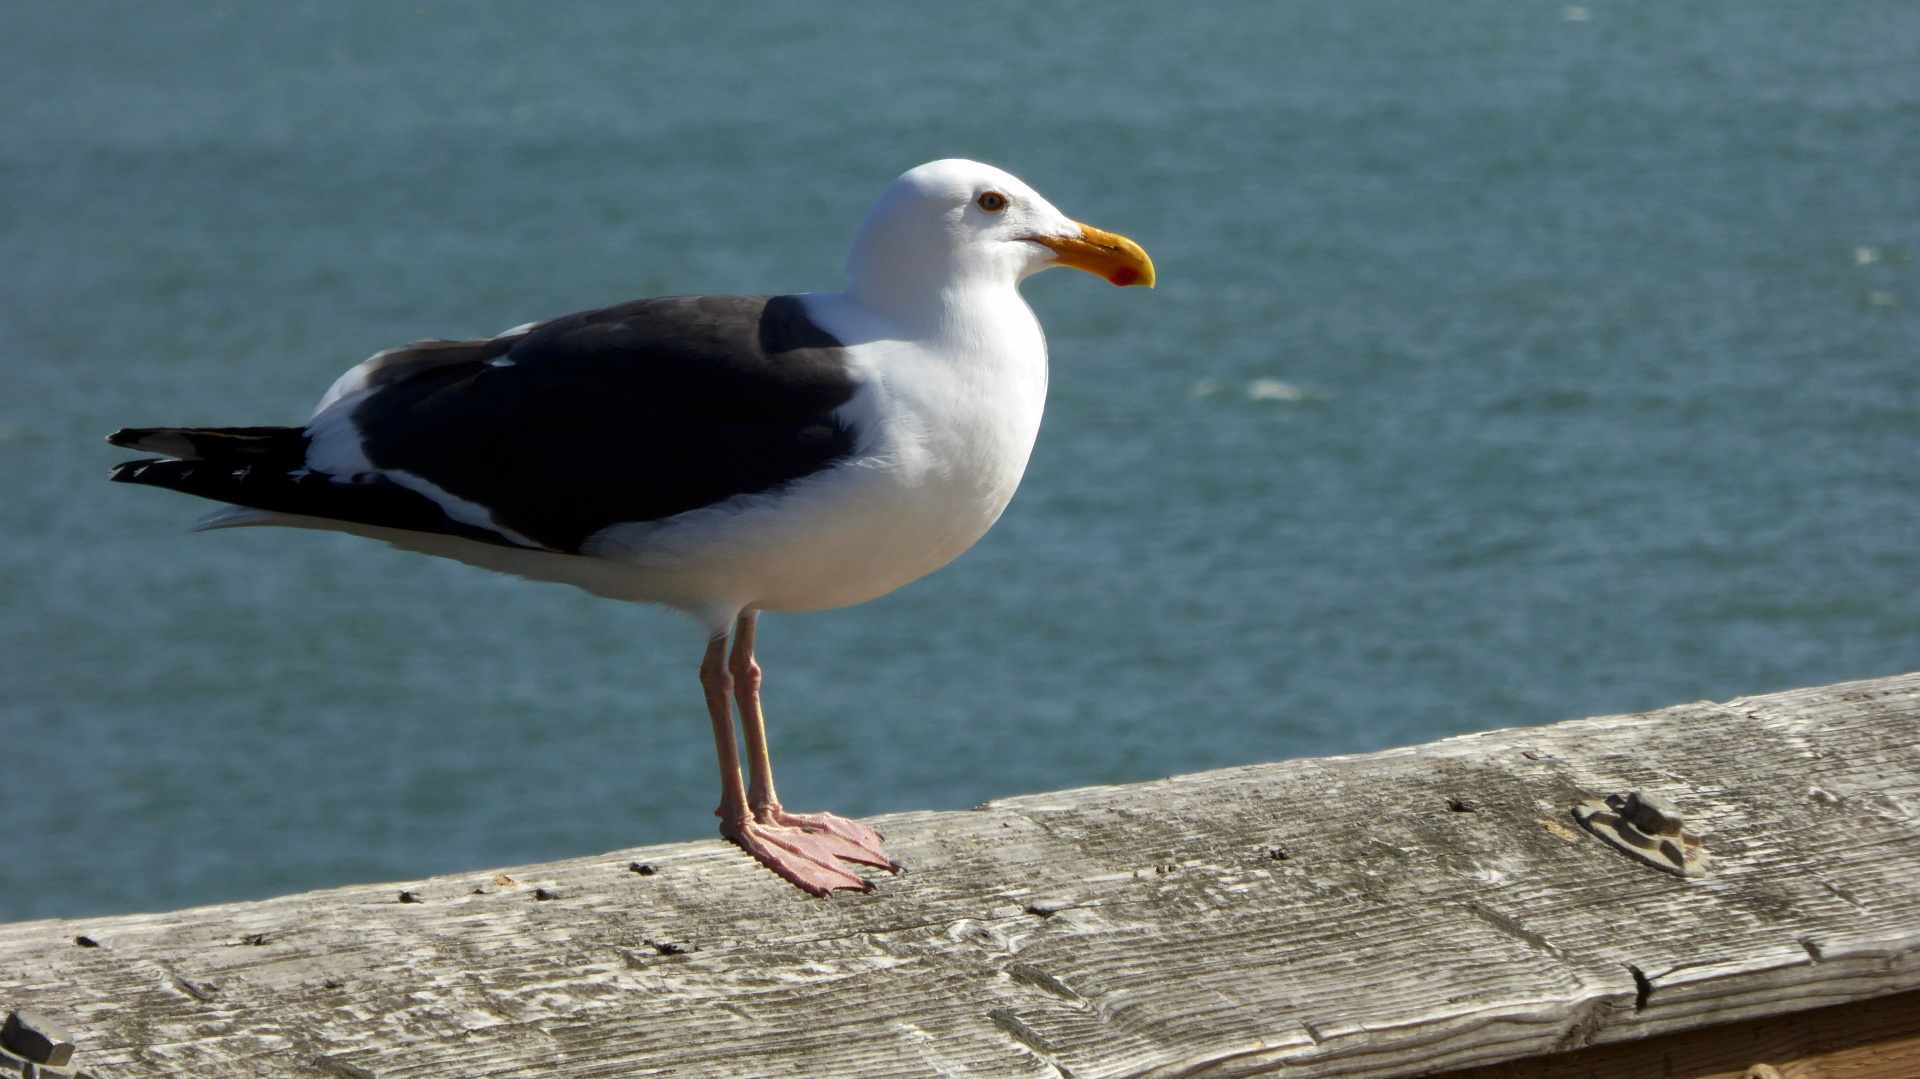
{"points": [[1877, 1038], [1392, 914]]}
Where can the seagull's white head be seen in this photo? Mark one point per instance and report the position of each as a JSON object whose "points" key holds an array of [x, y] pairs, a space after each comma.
{"points": [[960, 225]]}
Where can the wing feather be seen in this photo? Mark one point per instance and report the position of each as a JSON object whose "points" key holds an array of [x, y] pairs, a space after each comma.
{"points": [[631, 413]]}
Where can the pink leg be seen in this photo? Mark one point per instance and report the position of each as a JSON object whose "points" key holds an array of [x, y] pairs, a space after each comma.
{"points": [[761, 798], [806, 849], [718, 685]]}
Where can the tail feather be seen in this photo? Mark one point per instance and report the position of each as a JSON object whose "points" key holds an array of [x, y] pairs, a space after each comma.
{"points": [[284, 445], [258, 489]]}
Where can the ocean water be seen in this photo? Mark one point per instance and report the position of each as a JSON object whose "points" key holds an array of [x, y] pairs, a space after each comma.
{"points": [[1512, 362]]}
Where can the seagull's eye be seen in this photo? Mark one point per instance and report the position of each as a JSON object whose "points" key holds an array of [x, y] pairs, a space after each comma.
{"points": [[992, 202]]}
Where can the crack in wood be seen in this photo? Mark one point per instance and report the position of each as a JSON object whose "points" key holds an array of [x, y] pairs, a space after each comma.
{"points": [[1642, 986], [1031, 1039], [1512, 928], [340, 1069], [1028, 974], [204, 992]]}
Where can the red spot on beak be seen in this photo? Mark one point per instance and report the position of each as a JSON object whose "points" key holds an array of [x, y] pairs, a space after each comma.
{"points": [[1124, 276]]}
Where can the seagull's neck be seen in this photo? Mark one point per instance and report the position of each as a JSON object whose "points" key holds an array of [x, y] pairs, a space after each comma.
{"points": [[953, 313], [984, 344]]}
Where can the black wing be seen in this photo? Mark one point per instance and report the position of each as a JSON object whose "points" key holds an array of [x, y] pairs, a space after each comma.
{"points": [[631, 413]]}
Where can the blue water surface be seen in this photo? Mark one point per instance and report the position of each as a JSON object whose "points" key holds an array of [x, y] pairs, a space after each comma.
{"points": [[1511, 362]]}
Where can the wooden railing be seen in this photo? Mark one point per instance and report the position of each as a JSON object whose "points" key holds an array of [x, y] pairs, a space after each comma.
{"points": [[1403, 913]]}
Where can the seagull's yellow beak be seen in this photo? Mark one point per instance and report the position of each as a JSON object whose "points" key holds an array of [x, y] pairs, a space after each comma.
{"points": [[1112, 256]]}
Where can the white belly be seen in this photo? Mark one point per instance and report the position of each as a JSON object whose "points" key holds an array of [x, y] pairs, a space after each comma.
{"points": [[830, 541]]}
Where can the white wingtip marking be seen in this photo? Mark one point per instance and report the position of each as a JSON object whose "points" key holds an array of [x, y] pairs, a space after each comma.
{"points": [[235, 517]]}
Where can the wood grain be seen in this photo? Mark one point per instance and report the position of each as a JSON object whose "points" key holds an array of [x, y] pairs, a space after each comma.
{"points": [[1401, 913], [1877, 1038]]}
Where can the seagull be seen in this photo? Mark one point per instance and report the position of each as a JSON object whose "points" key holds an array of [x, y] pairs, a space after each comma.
{"points": [[717, 455]]}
